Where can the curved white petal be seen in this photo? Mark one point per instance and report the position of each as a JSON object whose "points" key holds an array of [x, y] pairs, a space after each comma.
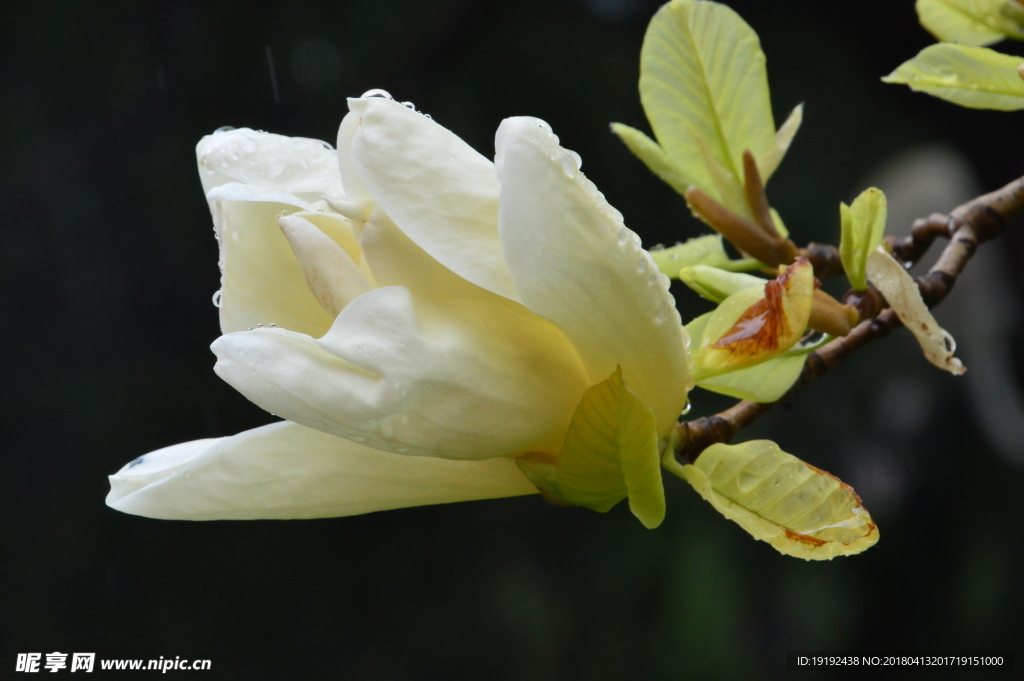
{"points": [[437, 189], [575, 263], [287, 471], [459, 378], [261, 281], [294, 165], [332, 276]]}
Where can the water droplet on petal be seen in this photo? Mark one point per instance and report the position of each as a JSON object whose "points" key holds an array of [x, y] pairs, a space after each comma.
{"points": [[216, 298], [653, 279], [428, 117], [641, 265], [377, 92], [226, 128], [568, 164], [409, 105], [284, 214], [623, 236], [576, 157]]}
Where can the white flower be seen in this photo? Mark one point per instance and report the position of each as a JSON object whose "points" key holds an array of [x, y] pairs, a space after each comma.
{"points": [[427, 317]]}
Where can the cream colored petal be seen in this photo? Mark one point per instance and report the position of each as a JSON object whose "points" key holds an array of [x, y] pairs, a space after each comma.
{"points": [[332, 277], [435, 187], [575, 263], [287, 471], [459, 378], [294, 165], [901, 292], [261, 281]]}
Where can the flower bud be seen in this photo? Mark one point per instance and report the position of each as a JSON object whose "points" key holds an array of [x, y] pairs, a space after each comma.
{"points": [[752, 325]]}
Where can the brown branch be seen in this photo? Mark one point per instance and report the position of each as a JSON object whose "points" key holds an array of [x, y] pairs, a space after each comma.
{"points": [[969, 225]]}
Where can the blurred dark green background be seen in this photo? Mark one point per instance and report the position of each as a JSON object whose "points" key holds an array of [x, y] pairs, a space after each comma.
{"points": [[108, 265]]}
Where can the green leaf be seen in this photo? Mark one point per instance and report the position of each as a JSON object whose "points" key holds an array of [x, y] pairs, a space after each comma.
{"points": [[779, 226], [703, 80], [610, 453], [972, 22], [702, 250], [863, 226], [755, 324], [765, 382], [653, 156], [798, 509], [783, 138], [716, 284], [974, 77]]}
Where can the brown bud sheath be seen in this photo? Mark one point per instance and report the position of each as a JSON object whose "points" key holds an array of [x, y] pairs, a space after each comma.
{"points": [[830, 316], [753, 189], [745, 235]]}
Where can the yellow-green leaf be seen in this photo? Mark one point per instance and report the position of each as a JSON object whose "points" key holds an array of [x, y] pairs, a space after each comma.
{"points": [[756, 324], [798, 509], [974, 77], [783, 138], [703, 79], [716, 284], [702, 250], [779, 226], [610, 453], [863, 226], [972, 22], [653, 156], [764, 382]]}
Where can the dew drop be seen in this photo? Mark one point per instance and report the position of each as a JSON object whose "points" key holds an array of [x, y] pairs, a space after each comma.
{"points": [[216, 298], [377, 92], [663, 278], [409, 105], [623, 237], [273, 326], [226, 128], [576, 157], [259, 326], [284, 214], [250, 328], [428, 117], [641, 265], [568, 164], [687, 408], [652, 280]]}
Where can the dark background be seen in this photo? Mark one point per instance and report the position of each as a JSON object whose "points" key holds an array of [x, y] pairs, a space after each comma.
{"points": [[108, 265]]}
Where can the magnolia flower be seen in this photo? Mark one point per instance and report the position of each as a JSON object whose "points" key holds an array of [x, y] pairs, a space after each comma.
{"points": [[422, 318]]}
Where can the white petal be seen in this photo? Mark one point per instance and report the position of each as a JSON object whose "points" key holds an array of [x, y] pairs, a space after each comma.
{"points": [[261, 281], [436, 188], [332, 277], [575, 263], [901, 292], [294, 165], [287, 471], [459, 378]]}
